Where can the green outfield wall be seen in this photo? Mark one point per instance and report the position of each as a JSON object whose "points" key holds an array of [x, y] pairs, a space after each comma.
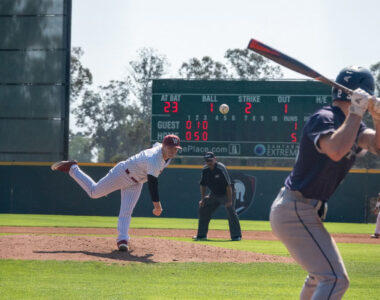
{"points": [[32, 188]]}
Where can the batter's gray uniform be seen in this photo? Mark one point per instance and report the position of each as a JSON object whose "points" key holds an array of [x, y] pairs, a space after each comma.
{"points": [[328, 148], [128, 177], [294, 214]]}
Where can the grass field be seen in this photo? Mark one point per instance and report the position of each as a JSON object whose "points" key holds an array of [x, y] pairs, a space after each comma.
{"points": [[94, 280], [169, 223]]}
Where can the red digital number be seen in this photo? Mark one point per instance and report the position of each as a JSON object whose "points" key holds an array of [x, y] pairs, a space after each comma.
{"points": [[167, 106], [286, 108], [211, 107], [248, 107], [204, 125], [188, 125], [196, 136], [170, 107], [175, 107], [204, 136], [295, 125], [294, 137]]}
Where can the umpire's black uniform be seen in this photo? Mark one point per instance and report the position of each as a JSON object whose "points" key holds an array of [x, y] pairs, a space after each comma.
{"points": [[215, 177]]}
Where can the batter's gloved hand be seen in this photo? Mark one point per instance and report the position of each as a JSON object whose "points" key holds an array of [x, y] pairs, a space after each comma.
{"points": [[359, 102], [374, 108]]}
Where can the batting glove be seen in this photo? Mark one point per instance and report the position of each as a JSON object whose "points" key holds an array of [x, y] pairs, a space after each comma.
{"points": [[359, 102]]}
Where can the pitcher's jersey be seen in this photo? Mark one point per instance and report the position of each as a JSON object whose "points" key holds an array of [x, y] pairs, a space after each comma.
{"points": [[315, 175], [146, 162]]}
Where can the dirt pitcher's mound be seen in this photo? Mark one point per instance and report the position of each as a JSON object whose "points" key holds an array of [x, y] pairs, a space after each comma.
{"points": [[43, 243], [142, 249]]}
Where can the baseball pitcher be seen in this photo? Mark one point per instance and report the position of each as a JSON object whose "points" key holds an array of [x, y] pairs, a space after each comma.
{"points": [[128, 177]]}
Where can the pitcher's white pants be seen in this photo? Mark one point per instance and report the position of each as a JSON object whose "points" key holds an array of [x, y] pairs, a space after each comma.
{"points": [[116, 179]]}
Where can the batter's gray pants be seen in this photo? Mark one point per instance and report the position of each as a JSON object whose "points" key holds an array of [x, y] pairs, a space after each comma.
{"points": [[295, 221], [211, 203]]}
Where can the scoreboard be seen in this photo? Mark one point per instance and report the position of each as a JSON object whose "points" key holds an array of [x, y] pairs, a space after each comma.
{"points": [[265, 118]]}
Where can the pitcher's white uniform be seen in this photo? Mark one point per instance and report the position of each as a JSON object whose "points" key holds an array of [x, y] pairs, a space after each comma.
{"points": [[128, 177]]}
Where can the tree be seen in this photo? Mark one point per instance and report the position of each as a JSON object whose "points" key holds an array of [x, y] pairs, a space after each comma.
{"points": [[247, 65], [117, 117], [149, 65], [80, 147], [206, 68], [80, 77], [135, 138], [241, 64], [105, 115], [375, 69], [80, 80]]}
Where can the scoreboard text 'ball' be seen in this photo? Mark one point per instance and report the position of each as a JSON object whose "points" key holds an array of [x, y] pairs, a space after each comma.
{"points": [[224, 108]]}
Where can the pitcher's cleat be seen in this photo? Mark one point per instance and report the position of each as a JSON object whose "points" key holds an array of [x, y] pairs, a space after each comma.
{"points": [[122, 245]]}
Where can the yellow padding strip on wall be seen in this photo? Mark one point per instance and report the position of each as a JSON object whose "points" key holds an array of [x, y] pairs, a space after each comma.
{"points": [[248, 168]]}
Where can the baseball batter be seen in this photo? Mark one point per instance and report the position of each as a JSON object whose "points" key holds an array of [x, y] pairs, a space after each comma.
{"points": [[128, 177], [331, 139], [376, 211]]}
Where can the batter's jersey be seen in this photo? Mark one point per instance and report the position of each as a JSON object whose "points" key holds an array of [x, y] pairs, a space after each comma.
{"points": [[216, 180], [146, 162], [314, 174]]}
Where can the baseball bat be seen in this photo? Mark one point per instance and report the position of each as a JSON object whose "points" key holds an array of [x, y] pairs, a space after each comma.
{"points": [[293, 64]]}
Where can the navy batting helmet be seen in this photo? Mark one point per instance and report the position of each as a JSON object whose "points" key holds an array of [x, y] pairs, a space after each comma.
{"points": [[353, 77]]}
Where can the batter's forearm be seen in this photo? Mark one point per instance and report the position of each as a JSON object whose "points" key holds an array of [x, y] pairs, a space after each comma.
{"points": [[338, 144]]}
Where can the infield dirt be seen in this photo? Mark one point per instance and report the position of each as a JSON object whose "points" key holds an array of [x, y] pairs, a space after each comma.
{"points": [[85, 244]]}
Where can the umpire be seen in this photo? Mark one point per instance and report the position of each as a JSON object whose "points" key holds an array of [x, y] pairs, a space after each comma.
{"points": [[216, 178]]}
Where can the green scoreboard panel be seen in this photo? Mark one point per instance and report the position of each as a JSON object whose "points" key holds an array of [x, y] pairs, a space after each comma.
{"points": [[265, 118]]}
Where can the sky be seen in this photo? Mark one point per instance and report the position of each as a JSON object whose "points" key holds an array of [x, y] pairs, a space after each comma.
{"points": [[326, 35]]}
